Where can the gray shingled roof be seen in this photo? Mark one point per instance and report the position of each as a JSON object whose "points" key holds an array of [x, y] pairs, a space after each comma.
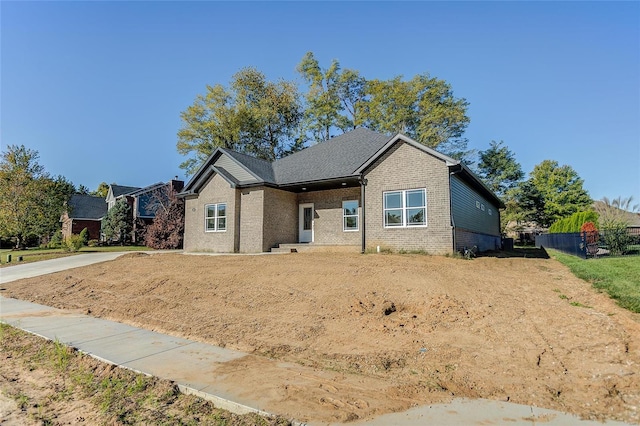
{"points": [[87, 207], [343, 156], [338, 157], [119, 190]]}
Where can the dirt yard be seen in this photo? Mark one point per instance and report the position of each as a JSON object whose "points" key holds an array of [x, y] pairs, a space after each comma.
{"points": [[391, 331]]}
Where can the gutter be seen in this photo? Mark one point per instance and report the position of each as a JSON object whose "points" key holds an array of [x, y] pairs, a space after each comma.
{"points": [[363, 226]]}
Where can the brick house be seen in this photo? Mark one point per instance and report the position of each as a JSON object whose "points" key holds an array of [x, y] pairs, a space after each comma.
{"points": [[84, 211], [360, 189]]}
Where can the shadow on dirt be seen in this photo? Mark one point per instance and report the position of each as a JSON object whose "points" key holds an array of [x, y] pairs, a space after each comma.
{"points": [[528, 252]]}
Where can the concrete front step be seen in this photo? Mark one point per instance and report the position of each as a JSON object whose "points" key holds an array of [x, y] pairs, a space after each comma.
{"points": [[310, 247]]}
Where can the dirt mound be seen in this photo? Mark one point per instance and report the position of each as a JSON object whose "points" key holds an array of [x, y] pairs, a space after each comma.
{"points": [[412, 329]]}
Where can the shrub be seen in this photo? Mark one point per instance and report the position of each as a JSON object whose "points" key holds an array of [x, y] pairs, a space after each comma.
{"points": [[573, 222], [84, 234], [56, 240], [73, 243], [93, 243]]}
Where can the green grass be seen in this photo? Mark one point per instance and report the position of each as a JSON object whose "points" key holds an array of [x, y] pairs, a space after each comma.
{"points": [[618, 276], [119, 396], [36, 254]]}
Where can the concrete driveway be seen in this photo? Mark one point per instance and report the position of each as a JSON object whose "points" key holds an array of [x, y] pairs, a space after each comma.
{"points": [[34, 269]]}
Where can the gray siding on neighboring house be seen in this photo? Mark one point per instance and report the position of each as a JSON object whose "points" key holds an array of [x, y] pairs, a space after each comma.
{"points": [[216, 190], [328, 228], [476, 219], [405, 167]]}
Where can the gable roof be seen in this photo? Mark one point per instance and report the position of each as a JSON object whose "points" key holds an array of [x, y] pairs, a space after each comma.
{"points": [[118, 190], [338, 157], [146, 189], [344, 157], [87, 207]]}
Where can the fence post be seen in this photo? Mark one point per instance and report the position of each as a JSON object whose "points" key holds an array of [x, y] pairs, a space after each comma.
{"points": [[584, 243]]}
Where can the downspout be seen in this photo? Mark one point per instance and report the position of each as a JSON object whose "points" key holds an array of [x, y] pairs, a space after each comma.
{"points": [[453, 221], [363, 185]]}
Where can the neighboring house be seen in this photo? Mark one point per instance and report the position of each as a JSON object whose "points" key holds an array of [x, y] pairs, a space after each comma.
{"points": [[360, 189], [143, 201], [84, 211], [117, 192]]}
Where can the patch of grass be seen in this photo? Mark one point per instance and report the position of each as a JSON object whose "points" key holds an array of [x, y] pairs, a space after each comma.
{"points": [[120, 396], [579, 305], [618, 276]]}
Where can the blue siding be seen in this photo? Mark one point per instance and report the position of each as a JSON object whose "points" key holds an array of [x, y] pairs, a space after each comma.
{"points": [[471, 211]]}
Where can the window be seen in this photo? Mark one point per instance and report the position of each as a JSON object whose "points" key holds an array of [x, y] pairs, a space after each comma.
{"points": [[405, 208], [215, 217], [350, 215]]}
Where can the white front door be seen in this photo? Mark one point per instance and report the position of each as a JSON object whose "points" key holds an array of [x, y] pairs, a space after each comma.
{"points": [[306, 223]]}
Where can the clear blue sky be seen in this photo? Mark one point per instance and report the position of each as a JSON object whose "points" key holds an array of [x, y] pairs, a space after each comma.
{"points": [[97, 87]]}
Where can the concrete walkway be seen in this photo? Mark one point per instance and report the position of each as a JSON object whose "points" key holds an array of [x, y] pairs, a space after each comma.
{"points": [[199, 368]]}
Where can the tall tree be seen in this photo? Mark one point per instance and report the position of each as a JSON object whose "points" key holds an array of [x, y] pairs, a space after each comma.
{"points": [[101, 191], [20, 181], [30, 201], [55, 194], [424, 108], [323, 100], [270, 114], [499, 168], [118, 222], [254, 116], [561, 190], [352, 91]]}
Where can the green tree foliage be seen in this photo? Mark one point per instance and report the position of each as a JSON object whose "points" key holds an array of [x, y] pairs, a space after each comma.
{"points": [[323, 98], [101, 191], [574, 222], [253, 116], [526, 203], [31, 202], [82, 190], [118, 222], [615, 217], [561, 190], [499, 168], [267, 119], [423, 108]]}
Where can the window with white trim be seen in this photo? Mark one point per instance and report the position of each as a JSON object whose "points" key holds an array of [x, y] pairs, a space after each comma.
{"points": [[215, 217], [405, 208], [350, 215]]}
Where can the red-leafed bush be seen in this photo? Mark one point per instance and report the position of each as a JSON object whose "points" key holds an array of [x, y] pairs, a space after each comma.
{"points": [[167, 229], [591, 232]]}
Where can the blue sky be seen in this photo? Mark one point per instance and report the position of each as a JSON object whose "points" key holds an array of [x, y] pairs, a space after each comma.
{"points": [[97, 87]]}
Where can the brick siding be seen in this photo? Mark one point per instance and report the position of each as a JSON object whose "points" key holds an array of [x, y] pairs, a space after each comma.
{"points": [[327, 205], [216, 190], [405, 167]]}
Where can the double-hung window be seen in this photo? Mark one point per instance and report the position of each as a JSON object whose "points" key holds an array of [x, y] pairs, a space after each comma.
{"points": [[215, 219], [405, 208], [350, 215]]}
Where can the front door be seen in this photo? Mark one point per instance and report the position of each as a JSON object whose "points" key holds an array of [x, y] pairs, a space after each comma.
{"points": [[306, 223]]}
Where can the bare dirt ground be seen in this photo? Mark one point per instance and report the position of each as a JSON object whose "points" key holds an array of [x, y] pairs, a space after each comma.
{"points": [[390, 331]]}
